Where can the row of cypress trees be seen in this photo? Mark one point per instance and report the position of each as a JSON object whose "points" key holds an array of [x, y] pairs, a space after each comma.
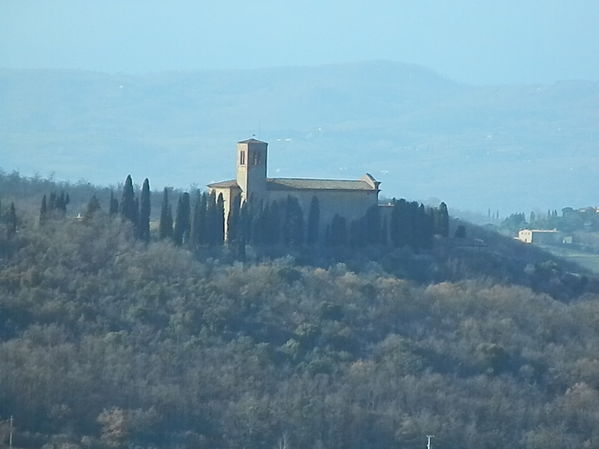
{"points": [[201, 221], [282, 223], [204, 224]]}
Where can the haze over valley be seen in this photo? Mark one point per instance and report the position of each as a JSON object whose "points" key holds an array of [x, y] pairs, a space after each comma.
{"points": [[503, 147]]}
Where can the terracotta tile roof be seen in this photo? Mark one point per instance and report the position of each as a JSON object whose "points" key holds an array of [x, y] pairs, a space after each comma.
{"points": [[224, 184], [304, 184], [316, 184]]}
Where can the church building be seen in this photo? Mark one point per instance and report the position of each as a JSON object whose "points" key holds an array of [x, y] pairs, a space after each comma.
{"points": [[349, 199]]}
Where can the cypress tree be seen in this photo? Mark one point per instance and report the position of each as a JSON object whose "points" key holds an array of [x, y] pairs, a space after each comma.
{"points": [[242, 231], [196, 225], [166, 218], [183, 221], [233, 219], [219, 230], [144, 212], [203, 225], [313, 221], [211, 219], [293, 228], [43, 211], [443, 220], [129, 209]]}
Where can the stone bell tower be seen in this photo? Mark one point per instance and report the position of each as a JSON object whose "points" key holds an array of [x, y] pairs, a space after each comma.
{"points": [[251, 168]]}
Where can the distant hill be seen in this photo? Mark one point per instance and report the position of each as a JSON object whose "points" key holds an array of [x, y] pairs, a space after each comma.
{"points": [[479, 147]]}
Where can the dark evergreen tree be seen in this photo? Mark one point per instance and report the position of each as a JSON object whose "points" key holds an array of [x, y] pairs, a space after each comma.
{"points": [[144, 212], [196, 222], [113, 205], [203, 220], [211, 219], [183, 220], [233, 219], [166, 218], [293, 227], [129, 209], [243, 230], [219, 229], [442, 215], [43, 211], [313, 221]]}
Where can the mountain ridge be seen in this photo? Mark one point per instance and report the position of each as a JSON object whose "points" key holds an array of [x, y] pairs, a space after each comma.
{"points": [[397, 121]]}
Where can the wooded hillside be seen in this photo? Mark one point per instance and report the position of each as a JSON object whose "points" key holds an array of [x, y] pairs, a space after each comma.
{"points": [[110, 342]]}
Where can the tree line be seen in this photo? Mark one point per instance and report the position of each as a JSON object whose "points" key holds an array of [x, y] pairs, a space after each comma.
{"points": [[199, 220]]}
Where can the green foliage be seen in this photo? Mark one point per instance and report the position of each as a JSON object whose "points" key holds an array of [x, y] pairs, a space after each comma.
{"points": [[129, 205], [144, 212], [293, 223], [92, 207], [113, 205], [233, 220], [166, 218], [441, 221], [183, 220], [107, 343]]}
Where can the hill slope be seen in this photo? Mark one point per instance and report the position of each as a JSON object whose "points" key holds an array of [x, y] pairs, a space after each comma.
{"points": [[419, 133], [107, 343]]}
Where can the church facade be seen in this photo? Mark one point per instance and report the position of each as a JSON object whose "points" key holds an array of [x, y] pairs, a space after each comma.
{"points": [[349, 199]]}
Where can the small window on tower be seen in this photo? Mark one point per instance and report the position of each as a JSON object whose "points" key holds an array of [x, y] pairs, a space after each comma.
{"points": [[255, 158], [242, 158]]}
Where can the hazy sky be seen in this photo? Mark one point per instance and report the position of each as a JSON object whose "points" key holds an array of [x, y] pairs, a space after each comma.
{"points": [[486, 41]]}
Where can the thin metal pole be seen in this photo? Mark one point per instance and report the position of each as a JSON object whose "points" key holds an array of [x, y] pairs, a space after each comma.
{"points": [[10, 432]]}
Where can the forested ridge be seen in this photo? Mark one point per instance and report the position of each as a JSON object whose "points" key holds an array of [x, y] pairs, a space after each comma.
{"points": [[110, 341]]}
